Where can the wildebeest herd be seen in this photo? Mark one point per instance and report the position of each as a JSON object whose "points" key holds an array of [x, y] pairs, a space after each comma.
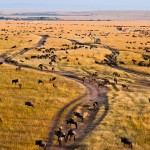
{"points": [[110, 60], [63, 136]]}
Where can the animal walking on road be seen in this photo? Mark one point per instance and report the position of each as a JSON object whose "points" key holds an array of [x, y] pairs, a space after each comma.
{"points": [[70, 134], [72, 121]]}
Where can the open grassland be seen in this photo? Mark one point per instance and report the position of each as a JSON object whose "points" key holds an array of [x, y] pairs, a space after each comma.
{"points": [[128, 116], [23, 125], [75, 50], [131, 42]]}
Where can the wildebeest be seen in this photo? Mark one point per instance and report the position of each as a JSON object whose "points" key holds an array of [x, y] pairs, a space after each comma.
{"points": [[100, 84], [18, 68], [106, 81], [91, 79], [126, 141], [1, 120], [53, 69], [40, 66], [54, 85], [70, 134], [72, 121], [15, 81], [79, 115], [115, 79], [20, 86], [116, 74], [29, 104], [61, 136], [52, 79], [95, 74], [83, 79], [14, 46], [124, 86], [95, 104], [41, 143], [40, 81], [134, 61]]}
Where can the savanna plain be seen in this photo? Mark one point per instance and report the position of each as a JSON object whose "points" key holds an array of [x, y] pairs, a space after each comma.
{"points": [[64, 67]]}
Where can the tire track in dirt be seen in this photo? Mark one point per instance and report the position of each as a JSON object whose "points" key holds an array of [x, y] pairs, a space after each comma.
{"points": [[125, 69], [112, 50], [23, 51], [92, 92]]}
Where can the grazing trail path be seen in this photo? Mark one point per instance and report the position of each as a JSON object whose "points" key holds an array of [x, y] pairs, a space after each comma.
{"points": [[23, 51], [112, 50], [93, 93]]}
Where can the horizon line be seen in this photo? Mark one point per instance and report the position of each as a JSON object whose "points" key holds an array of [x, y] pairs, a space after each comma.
{"points": [[74, 10]]}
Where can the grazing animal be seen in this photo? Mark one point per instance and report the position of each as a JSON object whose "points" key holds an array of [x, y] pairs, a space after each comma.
{"points": [[124, 86], [72, 121], [126, 141], [115, 79], [149, 100], [18, 68], [1, 63], [61, 136], [95, 104], [15, 81], [100, 84], [95, 74], [29, 104], [40, 66], [53, 69], [70, 134], [52, 79], [106, 81], [1, 120], [116, 74], [14, 46], [79, 115], [20, 86], [92, 80], [54, 85], [41, 143], [134, 61], [40, 81], [45, 67], [83, 79]]}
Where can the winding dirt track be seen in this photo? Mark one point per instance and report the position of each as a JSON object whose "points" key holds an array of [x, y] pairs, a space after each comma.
{"points": [[92, 93], [112, 50], [39, 44]]}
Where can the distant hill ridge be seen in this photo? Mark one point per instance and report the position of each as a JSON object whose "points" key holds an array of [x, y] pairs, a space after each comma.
{"points": [[80, 15]]}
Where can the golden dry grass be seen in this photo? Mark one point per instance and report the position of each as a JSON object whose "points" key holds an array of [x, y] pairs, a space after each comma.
{"points": [[129, 110], [23, 125], [128, 116]]}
